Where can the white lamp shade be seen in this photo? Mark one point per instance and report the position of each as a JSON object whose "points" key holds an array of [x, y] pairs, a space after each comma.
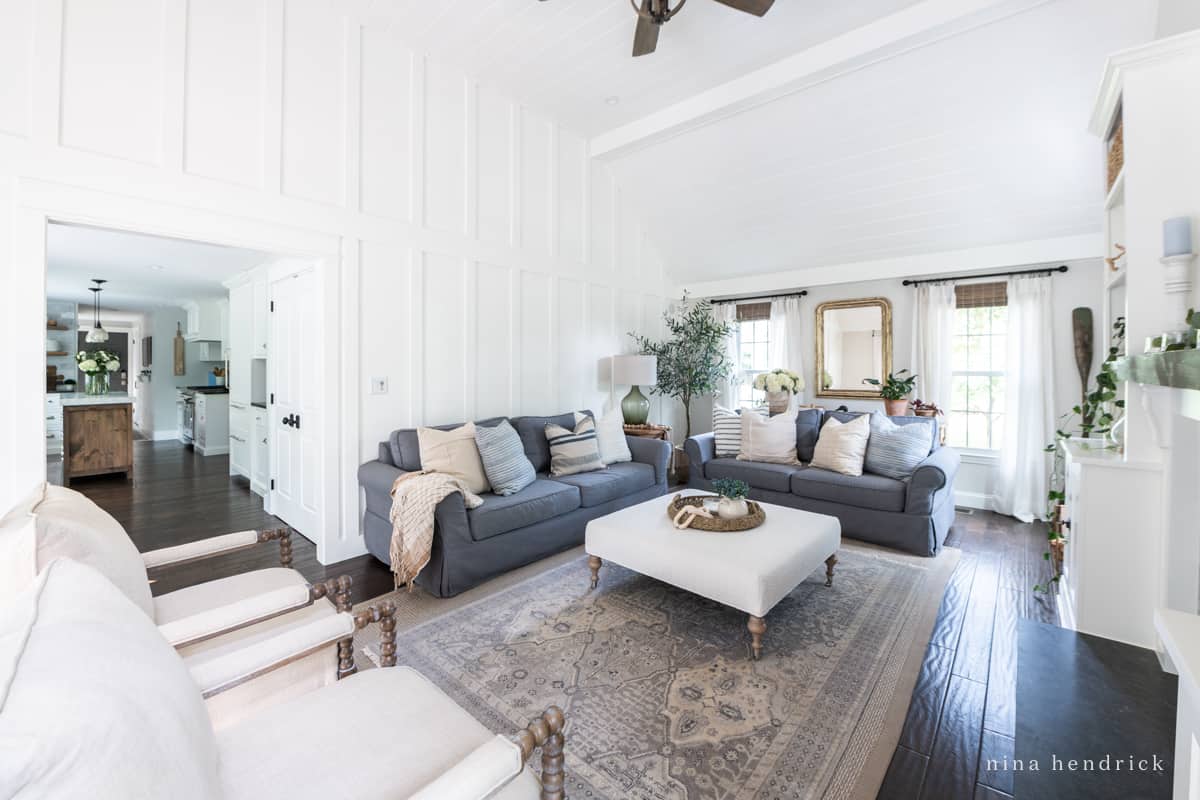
{"points": [[635, 370]]}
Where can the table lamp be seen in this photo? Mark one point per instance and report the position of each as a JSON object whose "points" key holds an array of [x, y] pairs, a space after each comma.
{"points": [[635, 371]]}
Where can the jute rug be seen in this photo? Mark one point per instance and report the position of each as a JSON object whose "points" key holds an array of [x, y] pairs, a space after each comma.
{"points": [[661, 698]]}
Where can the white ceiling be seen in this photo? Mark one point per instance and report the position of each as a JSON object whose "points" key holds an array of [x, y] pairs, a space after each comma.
{"points": [[568, 56], [189, 270], [967, 141]]}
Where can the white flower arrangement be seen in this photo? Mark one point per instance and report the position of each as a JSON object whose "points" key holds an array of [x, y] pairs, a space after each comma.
{"points": [[95, 362], [779, 380]]}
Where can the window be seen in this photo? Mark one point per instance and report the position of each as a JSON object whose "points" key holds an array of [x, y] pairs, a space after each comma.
{"points": [[754, 348], [976, 415]]}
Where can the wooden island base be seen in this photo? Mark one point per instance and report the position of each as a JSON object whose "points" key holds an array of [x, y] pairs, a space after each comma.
{"points": [[97, 439]]}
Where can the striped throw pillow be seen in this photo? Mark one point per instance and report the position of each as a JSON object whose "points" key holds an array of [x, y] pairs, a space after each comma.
{"points": [[896, 450], [574, 451], [727, 430], [508, 469]]}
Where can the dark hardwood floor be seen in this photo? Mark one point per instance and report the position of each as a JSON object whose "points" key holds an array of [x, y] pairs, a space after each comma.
{"points": [[963, 706], [177, 496]]}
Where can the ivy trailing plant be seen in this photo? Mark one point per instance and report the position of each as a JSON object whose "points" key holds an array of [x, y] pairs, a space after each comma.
{"points": [[1095, 415], [692, 360]]}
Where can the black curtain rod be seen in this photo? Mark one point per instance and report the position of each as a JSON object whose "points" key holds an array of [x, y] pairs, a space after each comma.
{"points": [[801, 293], [1047, 270]]}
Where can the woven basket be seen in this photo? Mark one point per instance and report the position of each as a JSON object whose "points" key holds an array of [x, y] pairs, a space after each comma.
{"points": [[1116, 153], [755, 518]]}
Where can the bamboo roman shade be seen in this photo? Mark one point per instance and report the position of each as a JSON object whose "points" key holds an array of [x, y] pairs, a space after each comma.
{"points": [[981, 295], [749, 312]]}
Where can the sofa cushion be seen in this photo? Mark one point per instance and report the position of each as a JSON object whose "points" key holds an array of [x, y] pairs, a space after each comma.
{"points": [[619, 480], [504, 460], [759, 474], [539, 501], [610, 437], [93, 701], [842, 446], [863, 491], [846, 416], [573, 451], [808, 426], [454, 453], [70, 525], [771, 439], [532, 431], [896, 450], [407, 732], [406, 450]]}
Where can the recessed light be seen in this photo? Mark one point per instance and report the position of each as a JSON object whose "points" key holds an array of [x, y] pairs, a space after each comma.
{"points": [[611, 100]]}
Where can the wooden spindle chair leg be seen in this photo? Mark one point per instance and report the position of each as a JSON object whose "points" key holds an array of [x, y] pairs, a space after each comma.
{"points": [[546, 732]]}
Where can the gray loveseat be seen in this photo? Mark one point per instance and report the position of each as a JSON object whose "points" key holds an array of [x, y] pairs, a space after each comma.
{"points": [[914, 514], [504, 533]]}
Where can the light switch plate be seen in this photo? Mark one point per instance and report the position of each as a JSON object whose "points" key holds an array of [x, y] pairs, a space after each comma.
{"points": [[379, 385]]}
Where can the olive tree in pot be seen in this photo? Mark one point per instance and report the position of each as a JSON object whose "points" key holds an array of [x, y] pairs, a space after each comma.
{"points": [[692, 360], [894, 390]]}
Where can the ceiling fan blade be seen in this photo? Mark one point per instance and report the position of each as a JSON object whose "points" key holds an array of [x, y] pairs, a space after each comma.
{"points": [[755, 7], [645, 36]]}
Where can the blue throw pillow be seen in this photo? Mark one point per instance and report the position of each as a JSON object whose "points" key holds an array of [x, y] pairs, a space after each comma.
{"points": [[507, 467], [896, 450]]}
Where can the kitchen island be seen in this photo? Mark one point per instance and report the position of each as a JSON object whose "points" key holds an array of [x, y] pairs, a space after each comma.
{"points": [[97, 435]]}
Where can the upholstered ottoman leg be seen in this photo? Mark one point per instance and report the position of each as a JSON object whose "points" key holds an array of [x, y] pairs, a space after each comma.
{"points": [[594, 565], [829, 562], [758, 627]]}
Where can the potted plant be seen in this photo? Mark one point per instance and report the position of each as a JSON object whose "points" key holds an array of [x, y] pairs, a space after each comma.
{"points": [[96, 365], [923, 409], [733, 492], [894, 390], [691, 361], [780, 385]]}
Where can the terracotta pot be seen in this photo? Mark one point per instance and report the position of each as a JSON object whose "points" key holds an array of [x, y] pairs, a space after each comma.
{"points": [[896, 408]]}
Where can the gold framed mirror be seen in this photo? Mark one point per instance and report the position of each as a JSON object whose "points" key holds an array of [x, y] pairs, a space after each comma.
{"points": [[854, 342]]}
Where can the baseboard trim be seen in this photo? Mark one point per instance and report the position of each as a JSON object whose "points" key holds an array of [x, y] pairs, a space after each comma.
{"points": [[165, 435], [978, 500]]}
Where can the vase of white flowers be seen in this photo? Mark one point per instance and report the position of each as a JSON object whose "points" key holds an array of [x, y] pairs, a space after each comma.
{"points": [[780, 385], [97, 366]]}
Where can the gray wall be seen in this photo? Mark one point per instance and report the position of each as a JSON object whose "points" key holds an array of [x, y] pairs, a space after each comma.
{"points": [[161, 325], [1177, 16]]}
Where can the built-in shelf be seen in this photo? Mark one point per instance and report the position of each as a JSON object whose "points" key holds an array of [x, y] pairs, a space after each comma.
{"points": [[58, 353], [1179, 369], [1116, 195]]}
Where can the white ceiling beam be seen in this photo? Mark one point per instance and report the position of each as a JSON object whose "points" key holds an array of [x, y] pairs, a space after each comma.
{"points": [[1001, 256], [919, 25]]}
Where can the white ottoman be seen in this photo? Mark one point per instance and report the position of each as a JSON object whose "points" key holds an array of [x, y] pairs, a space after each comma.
{"points": [[750, 570]]}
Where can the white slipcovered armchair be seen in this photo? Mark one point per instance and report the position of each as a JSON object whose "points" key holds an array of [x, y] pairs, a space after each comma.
{"points": [[231, 632], [96, 704]]}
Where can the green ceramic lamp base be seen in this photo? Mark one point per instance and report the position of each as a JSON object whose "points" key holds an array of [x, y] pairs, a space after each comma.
{"points": [[635, 407]]}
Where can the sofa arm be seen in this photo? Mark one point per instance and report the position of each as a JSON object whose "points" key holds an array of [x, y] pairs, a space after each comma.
{"points": [[378, 477], [655, 452], [933, 477], [220, 545], [700, 449]]}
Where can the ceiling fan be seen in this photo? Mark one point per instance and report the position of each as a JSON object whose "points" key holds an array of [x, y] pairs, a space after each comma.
{"points": [[654, 13]]}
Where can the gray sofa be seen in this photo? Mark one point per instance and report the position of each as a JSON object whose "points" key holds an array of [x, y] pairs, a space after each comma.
{"points": [[504, 533], [914, 514]]}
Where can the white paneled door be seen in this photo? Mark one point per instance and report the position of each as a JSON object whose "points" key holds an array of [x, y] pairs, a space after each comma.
{"points": [[295, 415]]}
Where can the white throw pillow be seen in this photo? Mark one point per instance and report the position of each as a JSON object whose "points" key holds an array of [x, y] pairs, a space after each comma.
{"points": [[769, 439], [610, 437], [841, 446], [93, 701], [454, 453]]}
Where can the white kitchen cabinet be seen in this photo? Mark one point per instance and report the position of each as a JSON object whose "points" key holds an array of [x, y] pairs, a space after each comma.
{"points": [[240, 427], [203, 321], [209, 351], [241, 338], [54, 425], [212, 424], [260, 476], [261, 302]]}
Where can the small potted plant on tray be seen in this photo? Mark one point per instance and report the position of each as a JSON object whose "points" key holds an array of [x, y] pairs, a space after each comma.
{"points": [[733, 492], [894, 389], [923, 409]]}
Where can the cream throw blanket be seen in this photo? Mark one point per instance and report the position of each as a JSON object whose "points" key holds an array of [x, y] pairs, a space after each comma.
{"points": [[415, 496]]}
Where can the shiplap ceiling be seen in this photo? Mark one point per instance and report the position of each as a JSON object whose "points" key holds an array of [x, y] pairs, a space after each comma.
{"points": [[143, 272], [972, 140], [569, 56]]}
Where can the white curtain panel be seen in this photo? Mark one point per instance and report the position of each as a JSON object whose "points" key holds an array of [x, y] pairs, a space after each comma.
{"points": [[932, 342], [727, 390], [787, 350], [1029, 396]]}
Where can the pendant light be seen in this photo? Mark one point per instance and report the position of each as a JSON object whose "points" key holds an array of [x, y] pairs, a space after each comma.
{"points": [[97, 334]]}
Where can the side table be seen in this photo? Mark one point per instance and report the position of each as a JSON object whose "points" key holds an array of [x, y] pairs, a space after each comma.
{"points": [[676, 471]]}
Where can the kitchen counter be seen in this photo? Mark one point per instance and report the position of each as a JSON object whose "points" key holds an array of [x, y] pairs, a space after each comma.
{"points": [[81, 399]]}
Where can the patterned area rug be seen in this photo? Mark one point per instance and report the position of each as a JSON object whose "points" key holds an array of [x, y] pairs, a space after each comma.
{"points": [[661, 697]]}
